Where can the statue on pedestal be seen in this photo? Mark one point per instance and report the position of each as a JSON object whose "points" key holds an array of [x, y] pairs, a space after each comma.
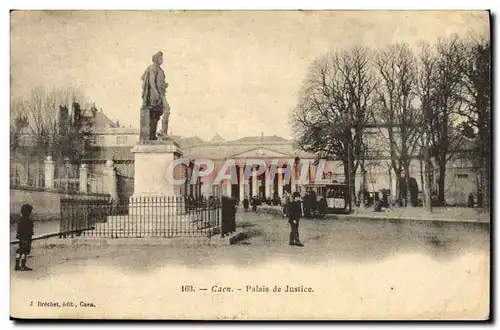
{"points": [[154, 101]]}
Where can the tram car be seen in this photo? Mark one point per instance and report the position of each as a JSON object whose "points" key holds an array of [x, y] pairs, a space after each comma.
{"points": [[335, 194]]}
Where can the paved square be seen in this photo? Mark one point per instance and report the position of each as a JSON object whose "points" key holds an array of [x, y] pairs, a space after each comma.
{"points": [[365, 264]]}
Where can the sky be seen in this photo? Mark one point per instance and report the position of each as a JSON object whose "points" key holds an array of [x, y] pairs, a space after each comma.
{"points": [[232, 73]]}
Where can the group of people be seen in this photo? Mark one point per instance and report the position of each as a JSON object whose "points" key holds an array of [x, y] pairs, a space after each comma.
{"points": [[253, 202], [313, 206], [191, 202]]}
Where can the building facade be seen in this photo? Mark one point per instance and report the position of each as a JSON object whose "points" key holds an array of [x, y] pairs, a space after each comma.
{"points": [[114, 142]]}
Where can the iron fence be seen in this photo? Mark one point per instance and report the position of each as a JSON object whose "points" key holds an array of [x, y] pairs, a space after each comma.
{"points": [[140, 217], [27, 175]]}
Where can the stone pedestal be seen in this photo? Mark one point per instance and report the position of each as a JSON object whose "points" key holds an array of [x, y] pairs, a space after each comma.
{"points": [[49, 172], [154, 191]]}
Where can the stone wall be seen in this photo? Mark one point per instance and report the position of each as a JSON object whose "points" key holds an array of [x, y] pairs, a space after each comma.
{"points": [[46, 203]]}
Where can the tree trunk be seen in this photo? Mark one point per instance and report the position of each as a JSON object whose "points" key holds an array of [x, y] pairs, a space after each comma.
{"points": [[485, 152], [349, 179], [363, 182], [428, 183], [486, 184], [353, 189], [398, 185], [390, 182], [441, 180], [407, 184], [346, 178], [422, 182]]}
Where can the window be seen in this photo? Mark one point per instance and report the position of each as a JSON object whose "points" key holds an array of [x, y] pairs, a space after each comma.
{"points": [[99, 140], [464, 162], [121, 140], [462, 176]]}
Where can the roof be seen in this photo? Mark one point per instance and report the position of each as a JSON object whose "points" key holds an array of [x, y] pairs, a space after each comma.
{"points": [[116, 130], [101, 120], [261, 139], [228, 150], [193, 140], [217, 138], [176, 138]]}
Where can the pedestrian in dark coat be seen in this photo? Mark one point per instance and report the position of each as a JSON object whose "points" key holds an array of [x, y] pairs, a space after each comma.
{"points": [[254, 204], [322, 206], [294, 214], [24, 235], [246, 203], [470, 202], [307, 205]]}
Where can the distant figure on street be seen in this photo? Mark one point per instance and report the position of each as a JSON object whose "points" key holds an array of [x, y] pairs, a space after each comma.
{"points": [[285, 203], [254, 203], [294, 214], [322, 206], [246, 203], [307, 204], [470, 202], [24, 235]]}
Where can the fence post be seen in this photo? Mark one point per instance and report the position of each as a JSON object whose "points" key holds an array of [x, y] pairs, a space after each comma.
{"points": [[220, 225], [110, 180], [83, 178], [49, 172]]}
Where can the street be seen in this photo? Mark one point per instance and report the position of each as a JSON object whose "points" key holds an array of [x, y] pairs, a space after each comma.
{"points": [[353, 266]]}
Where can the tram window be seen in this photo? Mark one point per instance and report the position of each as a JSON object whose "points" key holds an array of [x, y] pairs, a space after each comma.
{"points": [[339, 194]]}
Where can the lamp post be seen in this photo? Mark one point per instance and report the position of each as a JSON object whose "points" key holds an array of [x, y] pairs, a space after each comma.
{"points": [[344, 132], [295, 172], [349, 169]]}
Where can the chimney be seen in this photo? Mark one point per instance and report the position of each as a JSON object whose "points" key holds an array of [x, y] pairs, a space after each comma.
{"points": [[62, 117], [77, 112]]}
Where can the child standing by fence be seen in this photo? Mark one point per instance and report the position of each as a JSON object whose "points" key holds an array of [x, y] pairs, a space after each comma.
{"points": [[24, 235]]}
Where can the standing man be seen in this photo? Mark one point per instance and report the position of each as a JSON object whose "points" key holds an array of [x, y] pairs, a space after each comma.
{"points": [[246, 203], [154, 88], [294, 213]]}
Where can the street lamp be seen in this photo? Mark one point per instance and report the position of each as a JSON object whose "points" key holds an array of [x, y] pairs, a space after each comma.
{"points": [[297, 163], [349, 173]]}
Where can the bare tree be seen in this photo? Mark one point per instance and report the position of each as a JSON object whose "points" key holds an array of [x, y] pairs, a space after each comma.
{"points": [[426, 84], [52, 123], [440, 100], [18, 123], [395, 113], [333, 108], [476, 95]]}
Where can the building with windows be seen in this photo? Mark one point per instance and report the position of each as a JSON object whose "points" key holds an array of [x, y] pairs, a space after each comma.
{"points": [[114, 142]]}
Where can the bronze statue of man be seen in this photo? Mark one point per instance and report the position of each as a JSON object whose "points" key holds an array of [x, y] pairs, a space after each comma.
{"points": [[154, 88]]}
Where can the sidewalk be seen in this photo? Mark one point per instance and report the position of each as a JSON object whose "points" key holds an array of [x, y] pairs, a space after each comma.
{"points": [[462, 214], [448, 214]]}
